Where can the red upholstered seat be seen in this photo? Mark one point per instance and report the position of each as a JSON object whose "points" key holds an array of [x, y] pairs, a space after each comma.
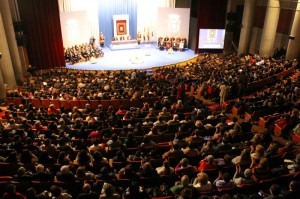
{"points": [[94, 104], [66, 104], [74, 103], [56, 103], [105, 104], [17, 101], [115, 103], [36, 102], [45, 102], [82, 103]]}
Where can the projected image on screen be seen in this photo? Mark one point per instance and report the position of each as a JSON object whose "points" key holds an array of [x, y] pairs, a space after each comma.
{"points": [[211, 38]]}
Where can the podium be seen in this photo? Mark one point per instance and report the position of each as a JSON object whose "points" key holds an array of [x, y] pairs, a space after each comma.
{"points": [[125, 44]]}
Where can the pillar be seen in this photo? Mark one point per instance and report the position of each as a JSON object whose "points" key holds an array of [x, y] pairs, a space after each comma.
{"points": [[2, 87], [293, 48], [269, 29], [229, 33], [11, 40], [5, 62], [247, 25]]}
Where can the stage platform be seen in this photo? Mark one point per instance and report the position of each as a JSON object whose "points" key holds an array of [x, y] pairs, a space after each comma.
{"points": [[148, 56]]}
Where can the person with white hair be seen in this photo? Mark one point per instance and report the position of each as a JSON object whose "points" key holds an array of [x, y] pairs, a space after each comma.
{"points": [[165, 113], [42, 174], [241, 177], [175, 120], [65, 175]]}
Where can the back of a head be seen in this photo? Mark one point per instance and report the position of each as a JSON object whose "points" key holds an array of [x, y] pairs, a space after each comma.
{"points": [[114, 137], [86, 188], [210, 159], [184, 162], [21, 171], [260, 149], [40, 168], [65, 169], [185, 180], [55, 190], [108, 190], [275, 190], [202, 178], [294, 185], [227, 177], [10, 189], [247, 173]]}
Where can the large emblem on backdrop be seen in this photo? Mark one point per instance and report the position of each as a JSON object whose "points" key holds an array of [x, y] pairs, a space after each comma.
{"points": [[121, 27], [174, 23]]}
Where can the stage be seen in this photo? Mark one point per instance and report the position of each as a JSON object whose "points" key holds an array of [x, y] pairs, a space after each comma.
{"points": [[146, 57]]}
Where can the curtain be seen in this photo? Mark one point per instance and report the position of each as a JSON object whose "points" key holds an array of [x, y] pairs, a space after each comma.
{"points": [[42, 27], [147, 11], [90, 6], [116, 7]]}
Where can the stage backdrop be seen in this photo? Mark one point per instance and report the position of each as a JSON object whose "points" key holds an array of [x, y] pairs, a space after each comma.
{"points": [[91, 24], [74, 28], [173, 22], [108, 8]]}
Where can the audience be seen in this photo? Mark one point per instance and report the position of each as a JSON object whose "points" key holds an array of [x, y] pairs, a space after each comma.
{"points": [[168, 126]]}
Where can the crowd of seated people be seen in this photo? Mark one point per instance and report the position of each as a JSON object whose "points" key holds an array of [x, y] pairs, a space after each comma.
{"points": [[206, 75], [172, 43], [82, 53], [171, 146]]}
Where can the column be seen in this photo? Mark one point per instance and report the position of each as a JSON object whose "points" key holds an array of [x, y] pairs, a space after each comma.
{"points": [[270, 27], [2, 87], [228, 48], [5, 62], [11, 40], [293, 48], [247, 25]]}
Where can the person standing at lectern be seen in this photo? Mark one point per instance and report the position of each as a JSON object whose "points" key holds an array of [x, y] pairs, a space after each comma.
{"points": [[102, 39]]}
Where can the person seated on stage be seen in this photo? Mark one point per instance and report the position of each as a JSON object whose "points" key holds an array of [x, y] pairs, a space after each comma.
{"points": [[102, 39], [115, 39], [139, 37], [160, 41], [92, 41], [184, 42]]}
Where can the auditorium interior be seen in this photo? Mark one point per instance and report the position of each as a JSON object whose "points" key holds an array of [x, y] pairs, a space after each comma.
{"points": [[149, 99]]}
